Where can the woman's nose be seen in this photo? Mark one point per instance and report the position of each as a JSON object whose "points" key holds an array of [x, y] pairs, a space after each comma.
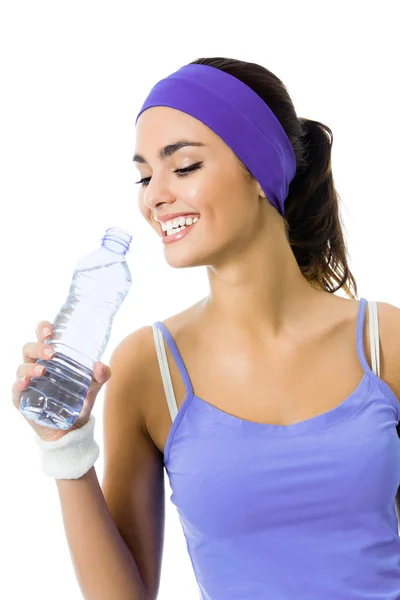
{"points": [[157, 192]]}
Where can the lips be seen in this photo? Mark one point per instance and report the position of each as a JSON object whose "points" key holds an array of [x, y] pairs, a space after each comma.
{"points": [[176, 237], [171, 217]]}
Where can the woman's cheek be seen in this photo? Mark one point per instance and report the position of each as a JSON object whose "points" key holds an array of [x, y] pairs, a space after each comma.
{"points": [[143, 208]]}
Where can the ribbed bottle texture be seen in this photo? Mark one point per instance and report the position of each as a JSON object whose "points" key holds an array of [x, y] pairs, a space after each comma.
{"points": [[81, 331]]}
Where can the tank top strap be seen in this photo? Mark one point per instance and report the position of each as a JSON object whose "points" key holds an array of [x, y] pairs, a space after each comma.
{"points": [[162, 334], [373, 335]]}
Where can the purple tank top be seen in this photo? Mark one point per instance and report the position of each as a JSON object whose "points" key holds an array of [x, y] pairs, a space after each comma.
{"points": [[298, 512]]}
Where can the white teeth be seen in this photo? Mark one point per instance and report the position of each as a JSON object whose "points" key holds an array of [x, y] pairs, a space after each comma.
{"points": [[175, 230], [178, 222]]}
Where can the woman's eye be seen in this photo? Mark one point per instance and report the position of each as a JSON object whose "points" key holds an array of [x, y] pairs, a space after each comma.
{"points": [[180, 173]]}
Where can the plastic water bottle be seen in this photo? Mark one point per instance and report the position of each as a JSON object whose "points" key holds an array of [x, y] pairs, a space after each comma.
{"points": [[81, 331]]}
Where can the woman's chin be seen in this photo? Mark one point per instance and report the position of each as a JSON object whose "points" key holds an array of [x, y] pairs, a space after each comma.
{"points": [[182, 260], [178, 256]]}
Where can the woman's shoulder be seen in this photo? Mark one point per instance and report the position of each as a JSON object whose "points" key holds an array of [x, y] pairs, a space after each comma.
{"points": [[187, 319]]}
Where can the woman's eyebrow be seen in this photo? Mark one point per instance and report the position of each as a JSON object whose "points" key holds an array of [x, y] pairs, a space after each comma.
{"points": [[168, 150]]}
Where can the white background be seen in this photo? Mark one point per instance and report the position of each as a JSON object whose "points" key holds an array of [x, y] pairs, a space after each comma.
{"points": [[73, 77]]}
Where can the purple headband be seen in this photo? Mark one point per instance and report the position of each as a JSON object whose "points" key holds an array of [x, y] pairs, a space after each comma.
{"points": [[238, 116]]}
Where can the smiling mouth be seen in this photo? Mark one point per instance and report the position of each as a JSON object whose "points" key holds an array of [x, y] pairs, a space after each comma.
{"points": [[178, 234], [178, 229]]}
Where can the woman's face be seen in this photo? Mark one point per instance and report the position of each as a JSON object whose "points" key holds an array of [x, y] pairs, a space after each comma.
{"points": [[227, 201]]}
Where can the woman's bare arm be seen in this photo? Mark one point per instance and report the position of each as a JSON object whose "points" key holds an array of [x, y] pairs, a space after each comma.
{"points": [[104, 566]]}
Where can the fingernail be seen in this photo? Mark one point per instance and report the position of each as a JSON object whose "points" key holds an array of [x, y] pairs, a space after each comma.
{"points": [[46, 331]]}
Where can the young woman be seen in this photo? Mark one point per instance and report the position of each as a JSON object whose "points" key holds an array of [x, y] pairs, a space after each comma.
{"points": [[266, 401]]}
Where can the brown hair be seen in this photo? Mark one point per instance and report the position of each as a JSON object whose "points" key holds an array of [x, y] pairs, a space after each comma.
{"points": [[312, 220]]}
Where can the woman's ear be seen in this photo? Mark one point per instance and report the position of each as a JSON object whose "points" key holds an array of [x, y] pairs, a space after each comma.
{"points": [[260, 191]]}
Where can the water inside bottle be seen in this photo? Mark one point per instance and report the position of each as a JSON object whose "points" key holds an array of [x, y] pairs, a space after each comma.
{"points": [[81, 332], [56, 398]]}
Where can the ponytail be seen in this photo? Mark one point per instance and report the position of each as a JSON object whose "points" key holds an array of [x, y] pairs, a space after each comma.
{"points": [[312, 218]]}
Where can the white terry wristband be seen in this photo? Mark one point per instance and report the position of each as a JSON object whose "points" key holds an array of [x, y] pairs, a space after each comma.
{"points": [[72, 455]]}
